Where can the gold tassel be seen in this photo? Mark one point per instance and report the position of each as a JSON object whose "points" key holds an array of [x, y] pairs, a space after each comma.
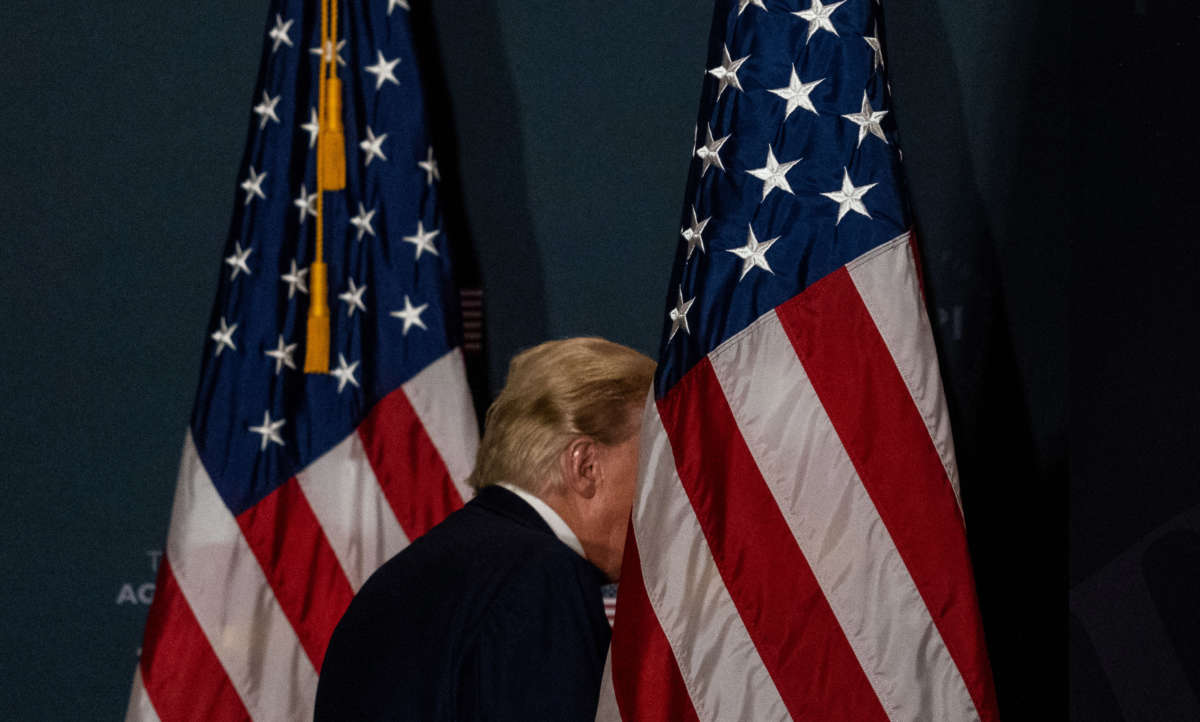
{"points": [[331, 138], [331, 176], [316, 343]]}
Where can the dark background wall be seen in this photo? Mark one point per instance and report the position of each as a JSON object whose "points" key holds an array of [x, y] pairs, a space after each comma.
{"points": [[567, 127], [1135, 481]]}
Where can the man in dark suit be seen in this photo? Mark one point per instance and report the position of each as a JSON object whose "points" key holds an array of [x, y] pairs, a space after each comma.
{"points": [[496, 613]]}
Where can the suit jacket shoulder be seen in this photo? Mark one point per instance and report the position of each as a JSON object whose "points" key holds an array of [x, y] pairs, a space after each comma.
{"points": [[467, 617]]}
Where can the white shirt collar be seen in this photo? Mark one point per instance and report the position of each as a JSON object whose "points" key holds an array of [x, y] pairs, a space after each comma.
{"points": [[551, 517]]}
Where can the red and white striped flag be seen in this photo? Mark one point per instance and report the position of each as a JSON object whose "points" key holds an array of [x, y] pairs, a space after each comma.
{"points": [[797, 547], [294, 487]]}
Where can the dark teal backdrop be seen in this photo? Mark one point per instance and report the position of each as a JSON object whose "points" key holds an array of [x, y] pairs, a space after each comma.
{"points": [[568, 127]]}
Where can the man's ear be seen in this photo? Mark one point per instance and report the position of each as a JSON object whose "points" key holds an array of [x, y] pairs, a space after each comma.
{"points": [[578, 464]]}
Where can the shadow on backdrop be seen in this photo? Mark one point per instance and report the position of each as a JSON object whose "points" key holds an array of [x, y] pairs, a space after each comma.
{"points": [[1026, 497], [482, 158], [1001, 472], [1171, 566], [1091, 695]]}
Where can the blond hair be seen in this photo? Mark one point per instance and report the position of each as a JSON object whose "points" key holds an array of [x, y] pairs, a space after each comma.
{"points": [[555, 392]]}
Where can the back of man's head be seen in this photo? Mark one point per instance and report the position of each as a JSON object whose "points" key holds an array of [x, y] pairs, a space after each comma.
{"points": [[558, 391]]}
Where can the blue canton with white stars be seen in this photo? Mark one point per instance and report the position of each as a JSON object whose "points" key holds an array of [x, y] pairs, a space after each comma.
{"points": [[795, 168], [258, 418]]}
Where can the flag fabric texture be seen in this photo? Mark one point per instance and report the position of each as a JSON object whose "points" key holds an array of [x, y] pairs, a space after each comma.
{"points": [[294, 487], [797, 547]]}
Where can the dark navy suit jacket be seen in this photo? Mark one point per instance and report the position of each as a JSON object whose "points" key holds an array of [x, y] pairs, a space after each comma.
{"points": [[488, 616]]}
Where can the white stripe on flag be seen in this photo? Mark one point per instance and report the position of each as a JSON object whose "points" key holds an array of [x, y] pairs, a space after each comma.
{"points": [[139, 707], [233, 602], [837, 527], [724, 674], [886, 278], [357, 520], [442, 399], [607, 709]]}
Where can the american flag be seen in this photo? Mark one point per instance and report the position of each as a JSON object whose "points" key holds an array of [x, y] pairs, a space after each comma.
{"points": [[294, 487], [609, 595], [797, 547]]}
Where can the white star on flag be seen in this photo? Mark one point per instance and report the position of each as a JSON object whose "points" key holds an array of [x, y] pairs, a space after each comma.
{"points": [[867, 120], [269, 431], [312, 127], [710, 152], [743, 4], [693, 234], [237, 261], [753, 253], [818, 17], [392, 4], [344, 373], [796, 94], [353, 297], [873, 41], [306, 202], [411, 315], [678, 315], [253, 186], [773, 174], [296, 279], [726, 72], [373, 146], [266, 110], [849, 198], [430, 166], [282, 354], [279, 33], [224, 337], [382, 70], [328, 51], [362, 221], [423, 240]]}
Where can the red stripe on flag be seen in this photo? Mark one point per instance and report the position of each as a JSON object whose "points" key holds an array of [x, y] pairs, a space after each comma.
{"points": [[881, 429], [180, 671], [645, 676], [409, 468], [771, 584], [309, 584]]}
